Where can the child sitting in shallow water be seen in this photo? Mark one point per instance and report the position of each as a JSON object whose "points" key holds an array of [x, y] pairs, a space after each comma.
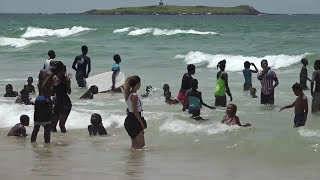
{"points": [[19, 129], [167, 95], [230, 118], [96, 125]]}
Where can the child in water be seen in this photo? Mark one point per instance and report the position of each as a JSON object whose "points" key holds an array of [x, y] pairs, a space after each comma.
{"points": [[29, 87], [247, 73], [304, 74], [148, 90], [24, 98], [10, 92], [167, 95], [231, 119], [19, 129], [253, 92], [300, 106], [91, 91], [195, 100], [96, 125]]}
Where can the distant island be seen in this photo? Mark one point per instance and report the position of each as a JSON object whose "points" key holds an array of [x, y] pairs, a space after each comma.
{"points": [[178, 10]]}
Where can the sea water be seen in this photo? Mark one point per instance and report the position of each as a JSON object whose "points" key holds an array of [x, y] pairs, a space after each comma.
{"points": [[158, 49]]}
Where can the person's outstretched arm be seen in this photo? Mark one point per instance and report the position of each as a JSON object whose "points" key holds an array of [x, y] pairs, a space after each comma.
{"points": [[201, 101], [288, 106]]}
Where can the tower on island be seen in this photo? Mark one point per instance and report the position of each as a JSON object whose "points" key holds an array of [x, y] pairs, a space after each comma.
{"points": [[160, 3]]}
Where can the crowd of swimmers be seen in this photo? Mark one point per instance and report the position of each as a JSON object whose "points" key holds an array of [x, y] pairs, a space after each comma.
{"points": [[55, 82]]}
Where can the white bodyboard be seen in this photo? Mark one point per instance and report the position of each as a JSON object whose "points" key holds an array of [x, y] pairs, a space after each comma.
{"points": [[104, 81]]}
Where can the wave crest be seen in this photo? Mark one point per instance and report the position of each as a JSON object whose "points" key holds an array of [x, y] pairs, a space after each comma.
{"points": [[17, 42], [32, 32], [235, 62]]}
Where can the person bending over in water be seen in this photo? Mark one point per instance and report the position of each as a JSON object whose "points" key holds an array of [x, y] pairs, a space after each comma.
{"points": [[222, 86], [231, 119], [300, 106], [10, 92], [115, 68], [195, 100], [62, 106], [96, 125], [19, 129], [134, 122], [315, 89], [167, 95], [43, 103], [80, 65], [91, 91], [29, 87], [24, 98], [247, 73], [186, 85], [304, 74], [148, 90]]}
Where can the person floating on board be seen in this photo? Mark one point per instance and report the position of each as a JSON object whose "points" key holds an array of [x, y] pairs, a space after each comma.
{"points": [[19, 129], [300, 106], [167, 95], [247, 73], [80, 65], [231, 119], [10, 92], [304, 74], [91, 91], [195, 100], [116, 69], [96, 125]]}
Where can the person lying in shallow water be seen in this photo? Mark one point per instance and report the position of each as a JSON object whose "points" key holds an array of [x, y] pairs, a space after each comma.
{"points": [[91, 91]]}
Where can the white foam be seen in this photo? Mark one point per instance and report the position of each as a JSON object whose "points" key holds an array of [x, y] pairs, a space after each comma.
{"points": [[308, 133], [126, 29], [235, 62], [160, 32], [17, 42], [183, 127], [44, 32], [139, 32]]}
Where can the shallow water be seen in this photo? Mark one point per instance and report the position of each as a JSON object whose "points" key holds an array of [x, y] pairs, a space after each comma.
{"points": [[158, 49]]}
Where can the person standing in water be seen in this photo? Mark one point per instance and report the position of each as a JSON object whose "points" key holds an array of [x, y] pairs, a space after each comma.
{"points": [[185, 86], [115, 68], [222, 86], [304, 74], [48, 63], [134, 122], [266, 78], [315, 89], [247, 73], [43, 103], [80, 65], [62, 106]]}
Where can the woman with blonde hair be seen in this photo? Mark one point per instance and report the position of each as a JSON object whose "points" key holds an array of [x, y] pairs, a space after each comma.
{"points": [[134, 122]]}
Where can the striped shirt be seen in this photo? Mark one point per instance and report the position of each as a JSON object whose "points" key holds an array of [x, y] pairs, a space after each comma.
{"points": [[267, 81]]}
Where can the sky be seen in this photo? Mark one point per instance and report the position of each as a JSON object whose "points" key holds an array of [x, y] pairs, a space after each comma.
{"points": [[79, 6]]}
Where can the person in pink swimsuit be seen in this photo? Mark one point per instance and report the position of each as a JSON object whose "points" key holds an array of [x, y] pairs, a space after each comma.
{"points": [[230, 118]]}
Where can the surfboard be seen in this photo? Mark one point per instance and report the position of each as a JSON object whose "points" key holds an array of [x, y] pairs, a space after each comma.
{"points": [[104, 81]]}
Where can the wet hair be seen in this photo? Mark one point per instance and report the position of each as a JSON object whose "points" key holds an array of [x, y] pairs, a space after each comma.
{"points": [[58, 66], [191, 67], [194, 83], [94, 89], [296, 86], [264, 60], [30, 78], [247, 64], [84, 49], [304, 60], [317, 65], [234, 106], [221, 64], [24, 119], [8, 85], [148, 88], [51, 54], [130, 83], [96, 119], [116, 57], [166, 86]]}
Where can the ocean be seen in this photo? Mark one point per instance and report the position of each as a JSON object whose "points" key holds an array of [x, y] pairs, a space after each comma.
{"points": [[158, 49]]}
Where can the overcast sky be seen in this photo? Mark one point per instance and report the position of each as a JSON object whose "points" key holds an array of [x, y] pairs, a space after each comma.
{"points": [[78, 6]]}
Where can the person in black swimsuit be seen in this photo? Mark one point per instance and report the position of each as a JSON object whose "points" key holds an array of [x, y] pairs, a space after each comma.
{"points": [[62, 106], [80, 65]]}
